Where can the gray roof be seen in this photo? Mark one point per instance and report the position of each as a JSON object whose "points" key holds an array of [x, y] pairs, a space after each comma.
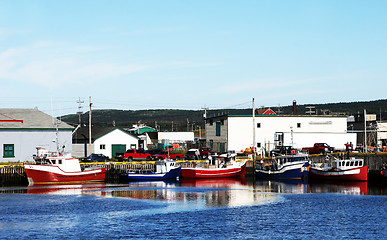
{"points": [[13, 118]]}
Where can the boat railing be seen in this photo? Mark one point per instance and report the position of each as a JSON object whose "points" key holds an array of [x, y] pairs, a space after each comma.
{"points": [[141, 168]]}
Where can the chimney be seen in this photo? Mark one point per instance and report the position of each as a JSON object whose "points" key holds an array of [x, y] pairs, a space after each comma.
{"points": [[294, 107]]}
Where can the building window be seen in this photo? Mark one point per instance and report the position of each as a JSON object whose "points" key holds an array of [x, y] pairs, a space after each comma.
{"points": [[133, 146], [258, 125], [8, 150], [102, 147], [218, 125], [298, 125]]}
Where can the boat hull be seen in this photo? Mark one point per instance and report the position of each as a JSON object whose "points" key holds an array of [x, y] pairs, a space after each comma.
{"points": [[40, 174], [236, 171], [296, 171], [172, 174], [355, 174]]}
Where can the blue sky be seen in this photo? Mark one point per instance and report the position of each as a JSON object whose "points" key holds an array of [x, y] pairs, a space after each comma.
{"points": [[190, 54]]}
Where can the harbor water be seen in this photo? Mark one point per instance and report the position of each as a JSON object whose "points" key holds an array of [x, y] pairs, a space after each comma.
{"points": [[195, 209]]}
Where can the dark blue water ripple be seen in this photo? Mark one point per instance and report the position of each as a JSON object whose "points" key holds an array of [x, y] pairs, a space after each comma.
{"points": [[191, 213]]}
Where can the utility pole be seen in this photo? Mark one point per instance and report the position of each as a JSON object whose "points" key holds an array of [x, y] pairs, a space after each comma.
{"points": [[90, 103], [253, 135], [80, 111]]}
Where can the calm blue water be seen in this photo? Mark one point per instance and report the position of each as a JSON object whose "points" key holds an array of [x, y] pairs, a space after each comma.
{"points": [[207, 209]]}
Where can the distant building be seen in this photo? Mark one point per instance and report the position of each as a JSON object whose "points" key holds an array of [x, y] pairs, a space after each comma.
{"points": [[376, 130], [235, 132], [178, 140], [23, 130], [264, 111]]}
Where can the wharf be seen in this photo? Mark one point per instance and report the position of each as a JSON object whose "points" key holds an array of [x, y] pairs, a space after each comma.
{"points": [[14, 174]]}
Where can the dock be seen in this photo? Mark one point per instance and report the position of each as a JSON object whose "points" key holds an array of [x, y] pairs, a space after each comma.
{"points": [[14, 174]]}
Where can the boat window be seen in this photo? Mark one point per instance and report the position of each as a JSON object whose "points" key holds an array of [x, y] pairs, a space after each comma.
{"points": [[347, 163], [339, 164], [356, 163], [53, 161], [361, 163], [59, 161], [352, 163]]}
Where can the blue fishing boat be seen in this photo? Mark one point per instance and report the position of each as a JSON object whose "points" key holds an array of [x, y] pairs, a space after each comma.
{"points": [[164, 170], [294, 166]]}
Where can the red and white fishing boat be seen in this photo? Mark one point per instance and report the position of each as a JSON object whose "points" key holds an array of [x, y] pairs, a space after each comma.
{"points": [[59, 169], [235, 169], [351, 169]]}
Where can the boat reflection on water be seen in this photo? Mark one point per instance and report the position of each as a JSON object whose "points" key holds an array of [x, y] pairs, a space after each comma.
{"points": [[299, 187], [214, 182], [198, 193], [295, 186], [344, 187], [68, 189]]}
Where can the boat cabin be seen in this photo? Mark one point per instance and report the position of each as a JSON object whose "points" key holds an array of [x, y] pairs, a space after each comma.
{"points": [[164, 166], [348, 163], [281, 161], [64, 162], [288, 159]]}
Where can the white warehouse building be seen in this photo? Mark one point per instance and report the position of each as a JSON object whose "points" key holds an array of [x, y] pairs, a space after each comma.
{"points": [[23, 130], [235, 132]]}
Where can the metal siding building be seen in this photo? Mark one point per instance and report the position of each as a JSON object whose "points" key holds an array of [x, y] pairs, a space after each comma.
{"points": [[236, 132], [22, 130]]}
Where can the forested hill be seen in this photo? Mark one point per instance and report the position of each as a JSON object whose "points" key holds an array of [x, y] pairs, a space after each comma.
{"points": [[181, 120]]}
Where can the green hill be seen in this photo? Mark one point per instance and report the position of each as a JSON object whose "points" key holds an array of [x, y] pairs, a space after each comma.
{"points": [[183, 120]]}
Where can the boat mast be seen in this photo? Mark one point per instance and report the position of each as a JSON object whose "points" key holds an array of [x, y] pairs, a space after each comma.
{"points": [[365, 131]]}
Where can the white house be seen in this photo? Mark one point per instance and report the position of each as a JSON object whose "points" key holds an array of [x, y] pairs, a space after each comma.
{"points": [[105, 140], [115, 141], [235, 132], [23, 130]]}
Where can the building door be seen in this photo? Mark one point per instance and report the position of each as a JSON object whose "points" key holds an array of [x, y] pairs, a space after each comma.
{"points": [[118, 148], [278, 139]]}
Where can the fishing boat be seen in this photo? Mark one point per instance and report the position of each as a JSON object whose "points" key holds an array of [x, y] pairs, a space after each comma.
{"points": [[350, 169], [222, 170], [55, 168], [294, 166], [164, 170]]}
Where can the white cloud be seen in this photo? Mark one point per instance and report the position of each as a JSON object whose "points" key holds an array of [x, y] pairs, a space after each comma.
{"points": [[54, 65]]}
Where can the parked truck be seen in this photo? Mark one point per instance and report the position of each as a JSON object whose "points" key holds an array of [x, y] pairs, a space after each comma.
{"points": [[167, 155], [134, 154], [319, 148], [204, 152]]}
